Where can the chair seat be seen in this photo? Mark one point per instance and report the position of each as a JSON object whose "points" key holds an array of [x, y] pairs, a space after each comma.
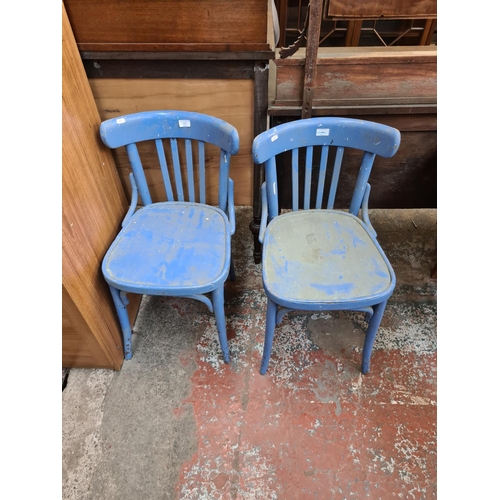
{"points": [[170, 248], [315, 259]]}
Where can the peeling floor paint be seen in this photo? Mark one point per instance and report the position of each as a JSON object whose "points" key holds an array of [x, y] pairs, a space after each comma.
{"points": [[312, 428]]}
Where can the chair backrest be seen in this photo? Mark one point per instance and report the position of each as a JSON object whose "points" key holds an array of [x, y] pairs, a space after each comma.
{"points": [[323, 133], [178, 127]]}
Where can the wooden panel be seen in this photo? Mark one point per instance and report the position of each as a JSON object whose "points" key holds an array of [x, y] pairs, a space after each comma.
{"points": [[173, 69], [386, 109], [230, 100], [393, 76], [172, 25], [402, 9], [310, 63], [80, 347], [93, 205], [407, 180], [405, 122], [200, 56]]}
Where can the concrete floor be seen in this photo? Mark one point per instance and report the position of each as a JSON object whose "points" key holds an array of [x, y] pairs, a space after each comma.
{"points": [[177, 423]]}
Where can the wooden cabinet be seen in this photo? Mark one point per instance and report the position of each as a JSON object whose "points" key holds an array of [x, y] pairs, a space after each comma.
{"points": [[93, 205], [169, 25]]}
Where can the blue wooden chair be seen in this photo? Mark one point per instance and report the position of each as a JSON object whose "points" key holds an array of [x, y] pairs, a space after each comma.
{"points": [[179, 247], [319, 258]]}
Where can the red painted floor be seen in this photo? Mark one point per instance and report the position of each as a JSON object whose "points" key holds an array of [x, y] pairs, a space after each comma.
{"points": [[314, 427], [177, 423]]}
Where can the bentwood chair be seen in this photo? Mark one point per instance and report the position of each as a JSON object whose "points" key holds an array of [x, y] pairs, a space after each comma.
{"points": [[182, 246], [320, 258]]}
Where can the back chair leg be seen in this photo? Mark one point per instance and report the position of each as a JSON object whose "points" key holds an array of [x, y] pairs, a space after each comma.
{"points": [[268, 342], [220, 321], [378, 312], [121, 309]]}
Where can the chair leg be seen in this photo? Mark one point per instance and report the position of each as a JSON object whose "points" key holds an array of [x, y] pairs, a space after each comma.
{"points": [[378, 312], [220, 321], [121, 309], [268, 341]]}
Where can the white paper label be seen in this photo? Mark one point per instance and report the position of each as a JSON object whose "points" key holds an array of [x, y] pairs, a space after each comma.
{"points": [[323, 132], [184, 123], [120, 120]]}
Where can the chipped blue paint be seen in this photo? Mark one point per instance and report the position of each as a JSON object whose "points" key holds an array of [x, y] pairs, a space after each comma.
{"points": [[355, 240], [295, 260], [317, 259], [341, 249], [336, 289], [378, 270], [192, 255], [179, 247]]}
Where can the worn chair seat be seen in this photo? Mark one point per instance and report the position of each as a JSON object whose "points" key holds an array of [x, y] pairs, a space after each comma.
{"points": [[177, 245], [317, 258], [325, 257], [182, 246]]}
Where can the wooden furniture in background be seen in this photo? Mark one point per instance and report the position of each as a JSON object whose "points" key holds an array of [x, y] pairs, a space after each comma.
{"points": [[384, 80], [93, 205], [339, 82], [209, 56], [354, 66], [187, 26], [361, 23], [369, 9]]}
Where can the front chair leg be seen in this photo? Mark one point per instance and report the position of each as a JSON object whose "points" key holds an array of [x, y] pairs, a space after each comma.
{"points": [[268, 341], [378, 312], [220, 321], [121, 309]]}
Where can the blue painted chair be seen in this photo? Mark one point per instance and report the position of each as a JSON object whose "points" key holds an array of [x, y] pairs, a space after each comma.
{"points": [[179, 247], [320, 258]]}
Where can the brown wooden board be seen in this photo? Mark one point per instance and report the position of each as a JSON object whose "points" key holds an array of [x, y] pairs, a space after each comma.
{"points": [[147, 68], [169, 25], [382, 109], [355, 78], [310, 64], [93, 205], [374, 9], [179, 56]]}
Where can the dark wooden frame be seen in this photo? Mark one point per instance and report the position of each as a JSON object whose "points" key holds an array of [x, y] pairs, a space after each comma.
{"points": [[355, 14]]}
